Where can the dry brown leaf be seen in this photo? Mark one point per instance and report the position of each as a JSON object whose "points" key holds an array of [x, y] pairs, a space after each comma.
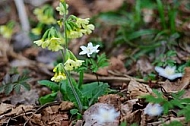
{"points": [[116, 64], [66, 105], [128, 107], [27, 98], [107, 5], [137, 89], [132, 117], [186, 78], [144, 66], [5, 107], [21, 109], [52, 117], [186, 94], [37, 119], [179, 85], [112, 99]]}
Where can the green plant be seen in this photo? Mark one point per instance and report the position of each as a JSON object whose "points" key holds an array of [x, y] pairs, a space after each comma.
{"points": [[172, 101], [166, 59], [62, 83], [14, 83]]}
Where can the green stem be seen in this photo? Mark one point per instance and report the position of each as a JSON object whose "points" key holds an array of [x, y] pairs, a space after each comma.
{"points": [[81, 74], [80, 106]]}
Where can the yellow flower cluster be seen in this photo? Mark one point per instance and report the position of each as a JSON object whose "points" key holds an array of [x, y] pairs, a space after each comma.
{"points": [[71, 64], [45, 14], [79, 28], [53, 43], [59, 73]]}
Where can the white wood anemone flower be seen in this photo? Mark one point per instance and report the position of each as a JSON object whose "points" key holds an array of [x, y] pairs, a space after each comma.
{"points": [[89, 49], [168, 72], [153, 109], [105, 115]]}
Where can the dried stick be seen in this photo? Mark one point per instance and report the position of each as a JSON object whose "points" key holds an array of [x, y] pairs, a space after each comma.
{"points": [[22, 15]]}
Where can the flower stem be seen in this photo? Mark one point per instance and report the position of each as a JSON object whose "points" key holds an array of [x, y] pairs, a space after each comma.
{"points": [[80, 106]]}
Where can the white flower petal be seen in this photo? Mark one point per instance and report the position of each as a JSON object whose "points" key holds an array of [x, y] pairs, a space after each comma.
{"points": [[159, 69], [83, 47], [174, 76]]}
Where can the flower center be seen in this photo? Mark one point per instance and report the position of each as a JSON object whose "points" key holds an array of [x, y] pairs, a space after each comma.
{"points": [[89, 50], [169, 71]]}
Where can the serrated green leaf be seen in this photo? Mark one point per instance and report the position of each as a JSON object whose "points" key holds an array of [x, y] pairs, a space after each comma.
{"points": [[15, 78], [2, 88], [26, 86], [7, 78], [8, 88], [92, 91], [48, 98], [17, 88], [52, 85]]}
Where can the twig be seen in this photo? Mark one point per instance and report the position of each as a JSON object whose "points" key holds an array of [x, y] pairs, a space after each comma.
{"points": [[90, 77], [22, 15]]}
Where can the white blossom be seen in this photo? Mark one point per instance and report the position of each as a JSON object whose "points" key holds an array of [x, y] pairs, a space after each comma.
{"points": [[153, 109], [105, 115], [90, 49], [168, 72]]}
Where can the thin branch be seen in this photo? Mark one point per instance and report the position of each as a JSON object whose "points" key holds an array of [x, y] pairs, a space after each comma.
{"points": [[22, 15]]}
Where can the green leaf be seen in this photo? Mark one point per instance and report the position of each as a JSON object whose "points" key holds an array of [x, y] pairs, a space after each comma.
{"points": [[48, 98], [74, 111], [93, 90], [52, 85], [185, 111], [17, 88], [26, 86], [2, 88], [15, 78], [140, 33], [8, 88]]}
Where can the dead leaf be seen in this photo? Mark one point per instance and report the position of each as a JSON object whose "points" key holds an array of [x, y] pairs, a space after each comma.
{"points": [[116, 64], [185, 79], [137, 89], [5, 107], [21, 109], [144, 66], [112, 99], [66, 105], [36, 119], [132, 117], [26, 97], [179, 85], [107, 5]]}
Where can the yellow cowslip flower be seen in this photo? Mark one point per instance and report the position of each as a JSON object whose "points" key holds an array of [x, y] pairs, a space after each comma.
{"points": [[36, 31], [74, 34], [72, 64], [59, 77], [62, 10], [78, 63], [6, 31], [89, 28], [42, 43], [82, 22], [59, 73], [45, 15], [55, 44], [69, 64]]}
